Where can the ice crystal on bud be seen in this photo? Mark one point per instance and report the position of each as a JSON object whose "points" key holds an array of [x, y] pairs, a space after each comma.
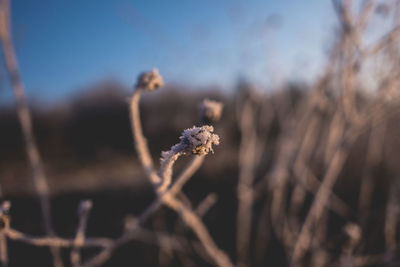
{"points": [[196, 140], [199, 140], [150, 80]]}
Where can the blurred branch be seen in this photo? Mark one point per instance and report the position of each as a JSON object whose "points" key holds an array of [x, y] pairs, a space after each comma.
{"points": [[5, 224], [39, 177], [83, 212], [389, 38], [247, 162], [140, 140], [321, 198], [55, 241]]}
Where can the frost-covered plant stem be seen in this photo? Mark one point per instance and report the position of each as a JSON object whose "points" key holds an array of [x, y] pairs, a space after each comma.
{"points": [[140, 140], [167, 162], [198, 141]]}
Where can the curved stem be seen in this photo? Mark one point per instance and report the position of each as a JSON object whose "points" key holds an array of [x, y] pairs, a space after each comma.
{"points": [[140, 141], [167, 162]]}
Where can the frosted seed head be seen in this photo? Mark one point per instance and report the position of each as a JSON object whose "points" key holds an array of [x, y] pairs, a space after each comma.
{"points": [[199, 140], [210, 110], [150, 80]]}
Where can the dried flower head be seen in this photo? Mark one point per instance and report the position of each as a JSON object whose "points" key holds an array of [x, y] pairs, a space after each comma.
{"points": [[150, 80], [210, 110], [199, 140]]}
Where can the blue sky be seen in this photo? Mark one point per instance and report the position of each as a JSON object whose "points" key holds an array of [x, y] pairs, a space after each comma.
{"points": [[63, 46]]}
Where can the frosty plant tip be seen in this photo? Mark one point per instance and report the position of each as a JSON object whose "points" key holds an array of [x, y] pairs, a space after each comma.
{"points": [[198, 140], [210, 110], [149, 81]]}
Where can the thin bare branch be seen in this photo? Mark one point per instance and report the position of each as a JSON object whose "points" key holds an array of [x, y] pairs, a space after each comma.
{"points": [[83, 213], [39, 177]]}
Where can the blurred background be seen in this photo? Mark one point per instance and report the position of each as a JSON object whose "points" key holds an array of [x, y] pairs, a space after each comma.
{"points": [[310, 92], [79, 63]]}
